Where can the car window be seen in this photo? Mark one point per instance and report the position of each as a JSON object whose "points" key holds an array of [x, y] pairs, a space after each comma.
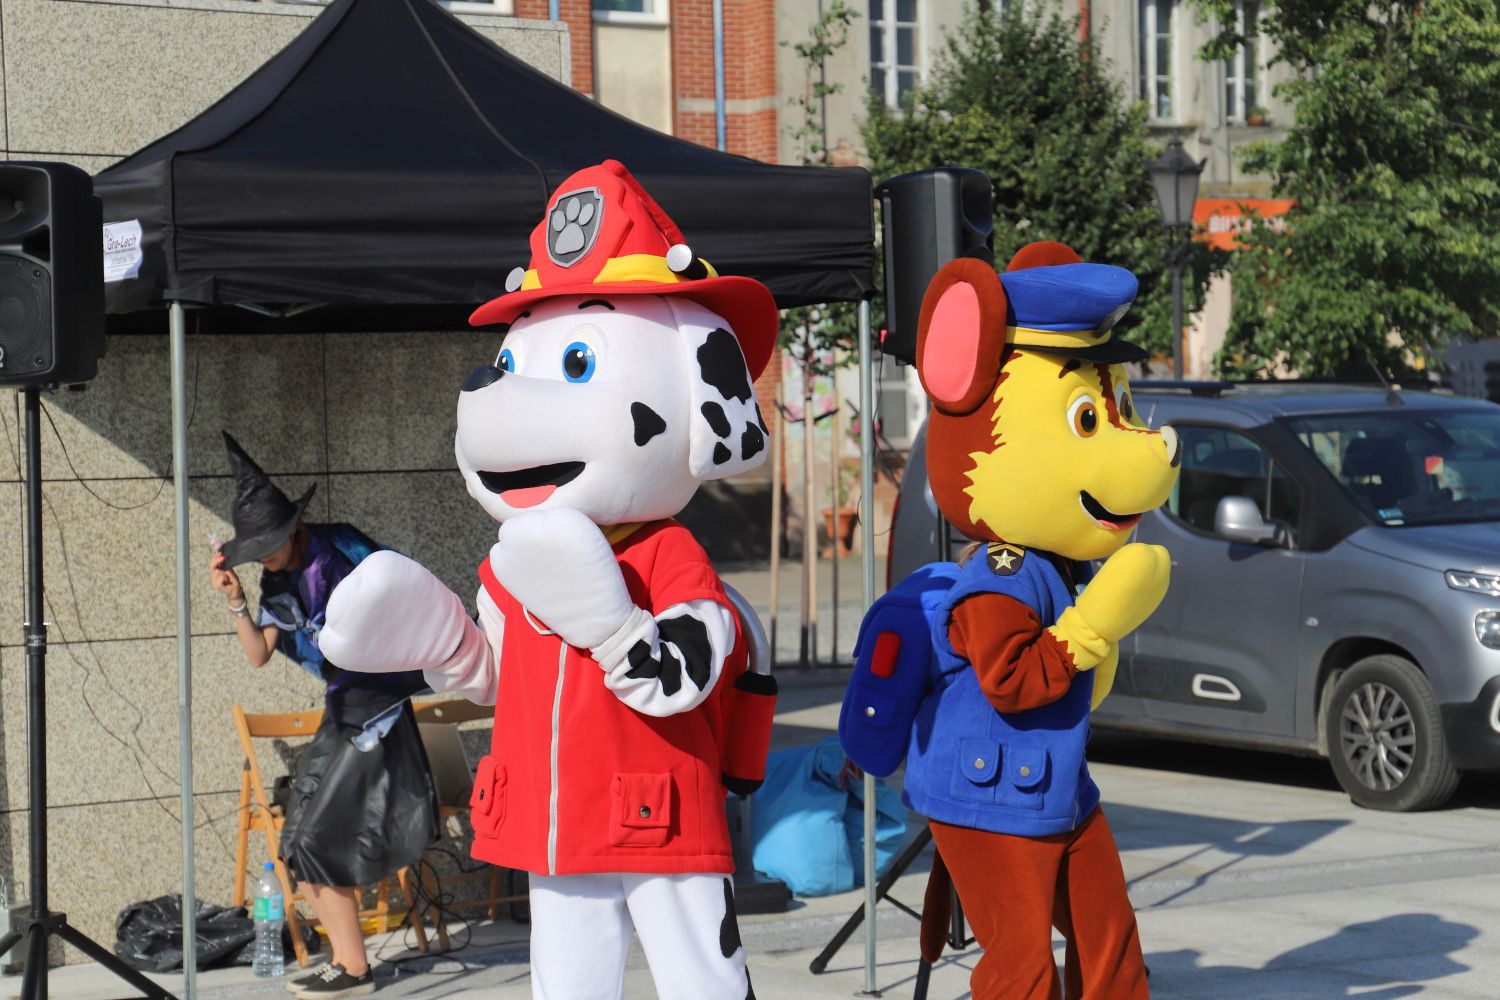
{"points": [[1412, 467], [1218, 463]]}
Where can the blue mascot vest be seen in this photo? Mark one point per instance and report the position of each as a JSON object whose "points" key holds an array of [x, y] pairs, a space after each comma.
{"points": [[969, 765]]}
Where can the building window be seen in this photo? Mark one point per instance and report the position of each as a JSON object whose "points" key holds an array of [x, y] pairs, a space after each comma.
{"points": [[895, 66], [1157, 65], [650, 11], [1242, 74]]}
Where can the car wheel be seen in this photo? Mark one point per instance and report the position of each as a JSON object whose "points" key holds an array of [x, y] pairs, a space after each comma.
{"points": [[1385, 737]]}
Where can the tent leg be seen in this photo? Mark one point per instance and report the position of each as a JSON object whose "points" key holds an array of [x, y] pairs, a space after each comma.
{"points": [[867, 561], [178, 334]]}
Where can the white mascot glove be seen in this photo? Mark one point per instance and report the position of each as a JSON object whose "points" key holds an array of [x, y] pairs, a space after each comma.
{"points": [[558, 564], [389, 615]]}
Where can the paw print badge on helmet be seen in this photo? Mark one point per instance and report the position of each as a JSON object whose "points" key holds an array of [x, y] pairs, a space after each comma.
{"points": [[603, 236]]}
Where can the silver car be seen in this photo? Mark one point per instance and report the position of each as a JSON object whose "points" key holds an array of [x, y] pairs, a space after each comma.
{"points": [[1335, 584]]}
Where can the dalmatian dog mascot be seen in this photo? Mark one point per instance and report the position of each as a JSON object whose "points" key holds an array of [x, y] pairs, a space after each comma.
{"points": [[604, 638]]}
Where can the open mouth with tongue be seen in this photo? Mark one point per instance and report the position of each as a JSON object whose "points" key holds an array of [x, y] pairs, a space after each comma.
{"points": [[1104, 517], [529, 487]]}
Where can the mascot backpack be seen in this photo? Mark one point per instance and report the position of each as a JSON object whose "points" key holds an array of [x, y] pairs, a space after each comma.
{"points": [[892, 662]]}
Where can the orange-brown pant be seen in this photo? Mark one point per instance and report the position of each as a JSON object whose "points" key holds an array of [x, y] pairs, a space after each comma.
{"points": [[1016, 889]]}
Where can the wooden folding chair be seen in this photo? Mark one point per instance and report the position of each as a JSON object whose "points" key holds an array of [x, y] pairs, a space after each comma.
{"points": [[456, 712], [258, 812]]}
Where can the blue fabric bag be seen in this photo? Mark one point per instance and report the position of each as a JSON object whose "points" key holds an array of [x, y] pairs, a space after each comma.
{"points": [[807, 823], [892, 667]]}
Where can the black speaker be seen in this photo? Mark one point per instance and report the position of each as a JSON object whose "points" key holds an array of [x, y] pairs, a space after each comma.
{"points": [[928, 218], [51, 275]]}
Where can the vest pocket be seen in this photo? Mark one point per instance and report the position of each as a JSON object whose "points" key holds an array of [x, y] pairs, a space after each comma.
{"points": [[487, 800], [643, 810], [1026, 771], [978, 770]]}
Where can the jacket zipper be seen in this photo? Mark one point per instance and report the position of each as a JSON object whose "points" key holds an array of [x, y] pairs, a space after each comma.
{"points": [[562, 665]]}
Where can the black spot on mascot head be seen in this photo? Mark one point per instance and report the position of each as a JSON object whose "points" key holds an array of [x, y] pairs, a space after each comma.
{"points": [[722, 454], [648, 423], [723, 366]]}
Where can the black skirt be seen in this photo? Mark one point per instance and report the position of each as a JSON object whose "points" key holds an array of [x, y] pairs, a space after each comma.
{"points": [[358, 816]]}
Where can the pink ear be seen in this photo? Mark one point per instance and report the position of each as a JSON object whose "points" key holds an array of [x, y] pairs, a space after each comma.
{"points": [[952, 347], [961, 335]]}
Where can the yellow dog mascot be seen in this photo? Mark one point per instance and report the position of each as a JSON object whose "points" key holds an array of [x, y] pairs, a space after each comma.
{"points": [[1034, 449]]}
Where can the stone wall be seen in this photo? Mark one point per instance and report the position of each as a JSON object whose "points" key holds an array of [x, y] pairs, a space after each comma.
{"points": [[368, 418]]}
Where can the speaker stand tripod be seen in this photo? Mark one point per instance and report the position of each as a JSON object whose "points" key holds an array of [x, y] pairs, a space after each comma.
{"points": [[43, 925], [958, 935]]}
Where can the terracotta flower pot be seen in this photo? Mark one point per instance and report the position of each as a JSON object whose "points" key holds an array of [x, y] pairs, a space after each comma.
{"points": [[848, 520]]}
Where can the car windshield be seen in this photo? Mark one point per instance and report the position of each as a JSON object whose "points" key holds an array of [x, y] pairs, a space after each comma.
{"points": [[1412, 467]]}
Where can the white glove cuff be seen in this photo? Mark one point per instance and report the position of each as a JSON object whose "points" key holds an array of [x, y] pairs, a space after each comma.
{"points": [[638, 626]]}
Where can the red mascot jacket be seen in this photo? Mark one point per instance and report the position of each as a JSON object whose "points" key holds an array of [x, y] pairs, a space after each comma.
{"points": [[576, 782]]}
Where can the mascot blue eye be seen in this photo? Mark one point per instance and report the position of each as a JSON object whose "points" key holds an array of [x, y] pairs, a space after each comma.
{"points": [[578, 362], [506, 362]]}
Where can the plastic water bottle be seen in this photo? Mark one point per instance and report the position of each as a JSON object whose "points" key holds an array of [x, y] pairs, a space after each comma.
{"points": [[270, 914]]}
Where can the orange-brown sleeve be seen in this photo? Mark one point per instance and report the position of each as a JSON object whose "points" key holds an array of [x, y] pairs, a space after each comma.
{"points": [[1019, 663]]}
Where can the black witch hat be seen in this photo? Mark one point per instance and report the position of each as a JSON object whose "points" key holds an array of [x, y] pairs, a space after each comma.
{"points": [[263, 516]]}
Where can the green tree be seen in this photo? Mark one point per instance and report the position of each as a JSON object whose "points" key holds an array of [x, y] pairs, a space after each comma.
{"points": [[1018, 95], [819, 338], [1393, 247]]}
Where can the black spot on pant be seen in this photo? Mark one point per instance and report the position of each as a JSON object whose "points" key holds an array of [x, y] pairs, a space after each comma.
{"points": [[751, 442], [648, 423], [729, 930], [723, 366], [714, 414]]}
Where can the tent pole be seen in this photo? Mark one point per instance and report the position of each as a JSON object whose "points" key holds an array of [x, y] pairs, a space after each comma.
{"points": [[720, 127], [867, 563], [178, 334]]}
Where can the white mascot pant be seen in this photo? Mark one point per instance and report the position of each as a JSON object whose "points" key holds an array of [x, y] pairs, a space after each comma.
{"points": [[580, 935]]}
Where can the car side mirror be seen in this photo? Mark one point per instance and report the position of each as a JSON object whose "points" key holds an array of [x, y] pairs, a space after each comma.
{"points": [[1239, 520]]}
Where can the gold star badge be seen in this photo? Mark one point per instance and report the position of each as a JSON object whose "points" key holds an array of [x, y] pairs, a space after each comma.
{"points": [[1005, 560]]}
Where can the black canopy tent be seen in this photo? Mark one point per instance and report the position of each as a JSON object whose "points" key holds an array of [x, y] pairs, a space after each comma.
{"points": [[388, 165], [384, 171]]}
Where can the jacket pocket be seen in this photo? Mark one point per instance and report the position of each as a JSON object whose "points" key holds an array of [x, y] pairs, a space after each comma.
{"points": [[1026, 782], [643, 810], [487, 800], [978, 770]]}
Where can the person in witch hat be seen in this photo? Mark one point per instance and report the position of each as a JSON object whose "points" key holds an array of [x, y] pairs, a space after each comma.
{"points": [[368, 739]]}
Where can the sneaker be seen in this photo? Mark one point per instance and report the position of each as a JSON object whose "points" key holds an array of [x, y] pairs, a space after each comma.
{"points": [[294, 985], [335, 982]]}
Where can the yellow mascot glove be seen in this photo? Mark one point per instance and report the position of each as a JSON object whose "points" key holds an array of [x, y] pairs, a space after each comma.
{"points": [[1087, 647], [1125, 591], [1104, 675]]}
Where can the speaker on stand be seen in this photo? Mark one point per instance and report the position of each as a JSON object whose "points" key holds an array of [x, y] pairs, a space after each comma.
{"points": [[928, 218], [51, 334]]}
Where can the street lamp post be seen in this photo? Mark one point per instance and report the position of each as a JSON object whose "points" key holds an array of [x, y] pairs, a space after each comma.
{"points": [[1175, 179]]}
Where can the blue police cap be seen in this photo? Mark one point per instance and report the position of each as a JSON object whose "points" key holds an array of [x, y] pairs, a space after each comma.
{"points": [[1070, 310]]}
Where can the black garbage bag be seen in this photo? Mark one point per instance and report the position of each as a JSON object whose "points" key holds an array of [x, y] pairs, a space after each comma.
{"points": [[148, 935]]}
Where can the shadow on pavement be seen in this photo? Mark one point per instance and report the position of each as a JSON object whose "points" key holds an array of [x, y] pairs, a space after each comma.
{"points": [[1141, 828], [1212, 761], [1377, 960]]}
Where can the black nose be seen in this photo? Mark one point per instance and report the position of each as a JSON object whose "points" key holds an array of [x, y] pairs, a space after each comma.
{"points": [[482, 376]]}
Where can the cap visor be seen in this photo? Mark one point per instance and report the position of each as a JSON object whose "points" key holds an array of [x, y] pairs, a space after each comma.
{"points": [[744, 302], [1111, 352]]}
